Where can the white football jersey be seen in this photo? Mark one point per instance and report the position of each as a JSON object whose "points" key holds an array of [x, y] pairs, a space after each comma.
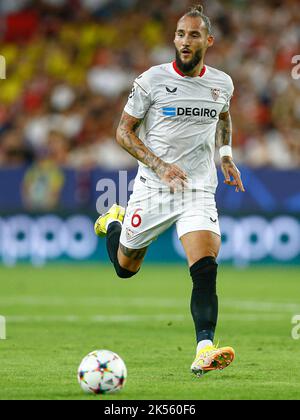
{"points": [[180, 116]]}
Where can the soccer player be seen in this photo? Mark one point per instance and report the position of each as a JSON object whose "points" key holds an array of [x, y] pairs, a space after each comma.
{"points": [[175, 115]]}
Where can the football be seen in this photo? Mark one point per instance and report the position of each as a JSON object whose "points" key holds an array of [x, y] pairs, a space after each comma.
{"points": [[102, 372]]}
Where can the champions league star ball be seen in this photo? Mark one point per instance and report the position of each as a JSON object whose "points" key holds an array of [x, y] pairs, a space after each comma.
{"points": [[102, 372]]}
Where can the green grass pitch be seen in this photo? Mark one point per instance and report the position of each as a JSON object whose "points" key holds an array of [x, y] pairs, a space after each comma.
{"points": [[56, 315]]}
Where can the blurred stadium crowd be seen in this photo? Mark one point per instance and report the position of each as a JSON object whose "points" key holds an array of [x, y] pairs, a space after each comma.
{"points": [[71, 63]]}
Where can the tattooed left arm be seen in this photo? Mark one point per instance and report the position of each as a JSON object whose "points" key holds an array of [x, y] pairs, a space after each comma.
{"points": [[224, 130], [224, 138]]}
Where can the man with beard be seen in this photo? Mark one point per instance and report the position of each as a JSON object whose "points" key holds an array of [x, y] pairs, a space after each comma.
{"points": [[175, 115]]}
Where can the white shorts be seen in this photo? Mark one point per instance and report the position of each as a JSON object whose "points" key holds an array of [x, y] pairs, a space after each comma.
{"points": [[151, 211]]}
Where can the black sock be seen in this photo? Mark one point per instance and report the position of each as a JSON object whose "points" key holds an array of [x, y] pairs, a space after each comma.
{"points": [[204, 303], [112, 240], [112, 244]]}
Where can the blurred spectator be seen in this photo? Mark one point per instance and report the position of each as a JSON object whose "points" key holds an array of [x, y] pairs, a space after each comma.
{"points": [[71, 63], [43, 184], [58, 148], [13, 151], [12, 6]]}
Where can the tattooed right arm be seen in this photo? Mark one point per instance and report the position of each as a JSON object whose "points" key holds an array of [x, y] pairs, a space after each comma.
{"points": [[170, 174], [127, 138]]}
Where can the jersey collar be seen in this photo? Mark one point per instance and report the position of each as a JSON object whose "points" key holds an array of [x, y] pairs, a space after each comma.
{"points": [[184, 75]]}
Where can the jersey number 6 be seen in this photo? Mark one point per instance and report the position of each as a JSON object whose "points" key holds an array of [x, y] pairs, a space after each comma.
{"points": [[136, 219]]}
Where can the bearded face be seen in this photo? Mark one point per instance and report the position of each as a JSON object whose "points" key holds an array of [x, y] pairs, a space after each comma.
{"points": [[191, 42]]}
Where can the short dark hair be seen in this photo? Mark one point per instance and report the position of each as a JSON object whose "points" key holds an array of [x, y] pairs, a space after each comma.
{"points": [[197, 11]]}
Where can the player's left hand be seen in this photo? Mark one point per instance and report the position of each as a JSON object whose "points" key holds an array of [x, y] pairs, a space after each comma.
{"points": [[232, 174]]}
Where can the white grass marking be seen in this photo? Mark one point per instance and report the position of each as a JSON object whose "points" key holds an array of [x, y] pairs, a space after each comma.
{"points": [[90, 301], [261, 306], [94, 318], [251, 317], [100, 302]]}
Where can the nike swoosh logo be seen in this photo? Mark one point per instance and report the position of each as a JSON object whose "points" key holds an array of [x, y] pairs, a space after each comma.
{"points": [[214, 221]]}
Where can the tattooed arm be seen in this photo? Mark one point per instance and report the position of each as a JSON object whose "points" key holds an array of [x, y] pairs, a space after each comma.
{"points": [[224, 130], [170, 174], [224, 138]]}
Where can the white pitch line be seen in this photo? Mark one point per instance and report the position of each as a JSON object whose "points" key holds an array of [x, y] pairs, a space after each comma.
{"points": [[138, 318], [56, 301], [261, 306], [254, 317], [90, 301], [94, 319]]}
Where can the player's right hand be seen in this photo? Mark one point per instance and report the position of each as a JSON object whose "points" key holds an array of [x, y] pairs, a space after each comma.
{"points": [[171, 175]]}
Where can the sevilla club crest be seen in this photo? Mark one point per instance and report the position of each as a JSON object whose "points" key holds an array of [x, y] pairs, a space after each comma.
{"points": [[215, 94]]}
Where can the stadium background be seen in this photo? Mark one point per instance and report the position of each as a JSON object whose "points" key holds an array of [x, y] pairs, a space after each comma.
{"points": [[69, 68]]}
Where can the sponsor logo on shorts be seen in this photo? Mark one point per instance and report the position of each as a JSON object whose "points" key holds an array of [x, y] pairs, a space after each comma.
{"points": [[213, 220]]}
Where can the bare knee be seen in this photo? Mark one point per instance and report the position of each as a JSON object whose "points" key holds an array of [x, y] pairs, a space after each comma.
{"points": [[201, 244], [202, 253]]}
